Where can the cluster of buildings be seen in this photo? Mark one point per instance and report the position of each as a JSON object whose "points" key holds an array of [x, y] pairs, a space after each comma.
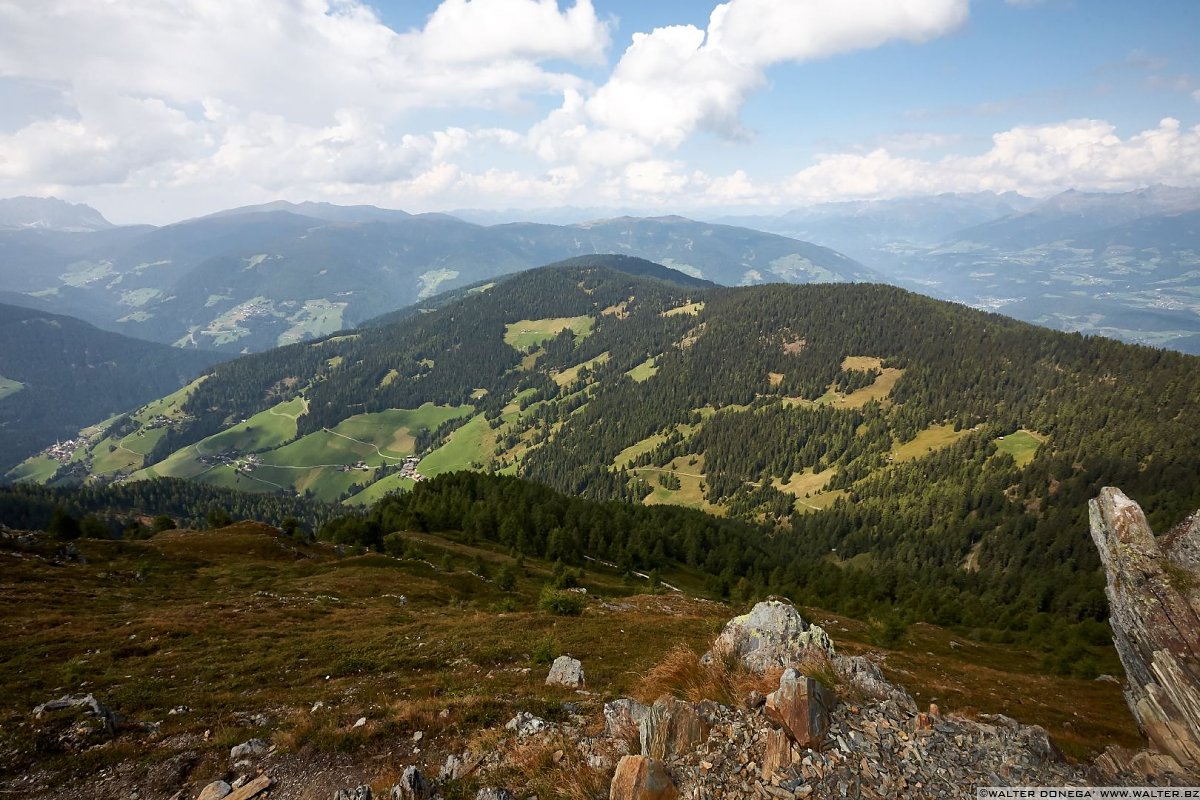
{"points": [[408, 469], [63, 451]]}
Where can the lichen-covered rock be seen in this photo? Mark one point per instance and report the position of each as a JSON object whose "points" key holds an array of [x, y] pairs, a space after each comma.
{"points": [[801, 706], [492, 793], [82, 702], [526, 724], [671, 726], [641, 778], [1154, 600], [362, 792], [566, 671], [773, 634]]}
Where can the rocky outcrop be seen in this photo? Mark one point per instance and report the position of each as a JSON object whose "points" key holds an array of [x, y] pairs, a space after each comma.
{"points": [[1154, 600], [566, 671], [862, 679], [412, 786], [82, 702], [623, 718], [641, 778], [773, 634], [801, 706]]}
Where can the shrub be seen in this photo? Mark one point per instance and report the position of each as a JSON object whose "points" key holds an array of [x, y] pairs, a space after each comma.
{"points": [[562, 604], [887, 631], [545, 651]]}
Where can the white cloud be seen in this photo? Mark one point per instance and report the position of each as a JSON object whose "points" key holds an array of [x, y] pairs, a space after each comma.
{"points": [[471, 31], [1036, 160], [276, 92], [186, 106], [678, 79]]}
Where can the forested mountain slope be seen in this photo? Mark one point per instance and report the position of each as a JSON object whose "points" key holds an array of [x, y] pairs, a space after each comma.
{"points": [[58, 373]]}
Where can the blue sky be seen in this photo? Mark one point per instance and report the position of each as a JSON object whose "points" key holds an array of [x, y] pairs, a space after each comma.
{"points": [[154, 112]]}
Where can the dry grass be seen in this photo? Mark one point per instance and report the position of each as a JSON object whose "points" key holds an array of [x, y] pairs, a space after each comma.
{"points": [[551, 768], [725, 679]]}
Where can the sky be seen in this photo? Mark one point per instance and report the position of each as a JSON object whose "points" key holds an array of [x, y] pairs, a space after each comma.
{"points": [[159, 110]]}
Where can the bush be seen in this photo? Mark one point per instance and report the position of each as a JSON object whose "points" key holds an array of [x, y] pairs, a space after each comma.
{"points": [[562, 604], [506, 579], [887, 631], [545, 651]]}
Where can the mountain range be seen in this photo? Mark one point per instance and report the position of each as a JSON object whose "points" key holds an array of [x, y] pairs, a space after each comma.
{"points": [[252, 278]]}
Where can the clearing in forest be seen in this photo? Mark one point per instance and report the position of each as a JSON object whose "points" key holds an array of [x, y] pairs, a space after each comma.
{"points": [[688, 308], [881, 389], [645, 370], [935, 437], [571, 374], [526, 333], [626, 456], [1022, 445], [689, 470]]}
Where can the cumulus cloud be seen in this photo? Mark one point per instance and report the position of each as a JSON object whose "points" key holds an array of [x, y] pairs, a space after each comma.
{"points": [[277, 91], [678, 79], [1036, 160]]}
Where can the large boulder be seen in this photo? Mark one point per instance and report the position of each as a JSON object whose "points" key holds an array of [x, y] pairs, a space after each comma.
{"points": [[773, 634], [641, 778], [248, 749], [566, 671], [1154, 602], [801, 707]]}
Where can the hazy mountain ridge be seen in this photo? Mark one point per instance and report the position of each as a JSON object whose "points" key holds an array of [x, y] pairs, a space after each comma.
{"points": [[1122, 264], [50, 213], [259, 276]]}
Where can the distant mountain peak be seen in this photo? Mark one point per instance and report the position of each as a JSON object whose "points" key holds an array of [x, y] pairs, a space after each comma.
{"points": [[327, 212], [50, 213]]}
